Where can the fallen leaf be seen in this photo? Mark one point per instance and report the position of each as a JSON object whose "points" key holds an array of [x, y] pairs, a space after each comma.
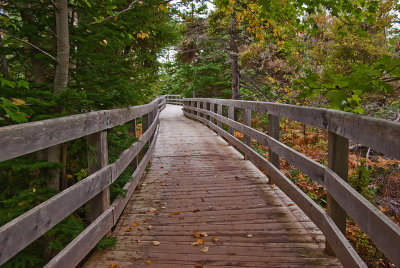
{"points": [[204, 234], [196, 210], [249, 235], [128, 229], [135, 224], [215, 239], [196, 234], [163, 207], [200, 241], [202, 199], [195, 244], [149, 227], [291, 204], [170, 215], [138, 241], [206, 190], [155, 243], [148, 262], [113, 265], [197, 265], [176, 213], [166, 173], [204, 250], [152, 210]]}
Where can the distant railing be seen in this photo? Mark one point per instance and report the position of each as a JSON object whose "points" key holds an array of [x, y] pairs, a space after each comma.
{"points": [[381, 135], [18, 140], [174, 99]]}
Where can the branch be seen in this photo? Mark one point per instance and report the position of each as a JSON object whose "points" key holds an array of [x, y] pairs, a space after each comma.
{"points": [[26, 42], [125, 10], [122, 11]]}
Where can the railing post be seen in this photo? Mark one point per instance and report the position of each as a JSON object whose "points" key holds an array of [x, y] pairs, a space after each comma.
{"points": [[247, 122], [198, 107], [135, 160], [338, 161], [231, 115], [96, 161], [219, 112], [212, 109], [273, 131], [192, 104]]}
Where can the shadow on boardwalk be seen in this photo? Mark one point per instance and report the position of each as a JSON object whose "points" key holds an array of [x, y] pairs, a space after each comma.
{"points": [[198, 184]]}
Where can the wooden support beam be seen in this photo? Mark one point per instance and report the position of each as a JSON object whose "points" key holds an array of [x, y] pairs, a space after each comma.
{"points": [[96, 161], [219, 111], [273, 131], [135, 160], [231, 115], [338, 161]]}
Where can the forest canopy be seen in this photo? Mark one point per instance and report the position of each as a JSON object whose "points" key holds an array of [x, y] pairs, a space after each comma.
{"points": [[64, 57]]}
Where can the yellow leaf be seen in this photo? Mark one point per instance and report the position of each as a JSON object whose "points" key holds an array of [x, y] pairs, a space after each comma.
{"points": [[204, 250], [169, 5], [17, 101], [103, 43], [177, 213], [113, 265], [34, 190], [128, 229], [135, 224], [152, 210], [163, 8], [148, 262], [215, 239], [204, 234], [155, 243], [196, 234], [200, 241], [195, 244]]}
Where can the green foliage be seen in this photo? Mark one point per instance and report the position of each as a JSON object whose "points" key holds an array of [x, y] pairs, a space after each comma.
{"points": [[361, 181]]}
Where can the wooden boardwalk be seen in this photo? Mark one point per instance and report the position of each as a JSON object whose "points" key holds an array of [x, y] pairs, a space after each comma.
{"points": [[199, 185]]}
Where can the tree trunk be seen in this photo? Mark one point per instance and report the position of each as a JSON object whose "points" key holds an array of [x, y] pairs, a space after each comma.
{"points": [[234, 59], [4, 67], [38, 66], [60, 78], [61, 75]]}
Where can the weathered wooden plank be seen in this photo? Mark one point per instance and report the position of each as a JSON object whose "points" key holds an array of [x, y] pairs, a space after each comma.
{"points": [[340, 245], [75, 251], [23, 230], [338, 161], [310, 167], [219, 112], [251, 222], [352, 126], [96, 161], [21, 139], [382, 231]]}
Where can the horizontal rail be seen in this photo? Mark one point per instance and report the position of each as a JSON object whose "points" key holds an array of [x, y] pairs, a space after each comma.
{"points": [[383, 232], [341, 246], [385, 138], [75, 251], [21, 139], [23, 230]]}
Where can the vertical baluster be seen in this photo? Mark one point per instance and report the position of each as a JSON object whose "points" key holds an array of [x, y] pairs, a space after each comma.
{"points": [[135, 161], [247, 122], [338, 161], [273, 131], [212, 110], [219, 112], [231, 115], [96, 161]]}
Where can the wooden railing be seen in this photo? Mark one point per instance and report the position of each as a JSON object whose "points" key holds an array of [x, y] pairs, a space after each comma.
{"points": [[381, 135], [18, 140], [174, 99]]}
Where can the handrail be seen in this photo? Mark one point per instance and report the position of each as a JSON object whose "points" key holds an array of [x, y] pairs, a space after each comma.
{"points": [[174, 99], [383, 232], [23, 230]]}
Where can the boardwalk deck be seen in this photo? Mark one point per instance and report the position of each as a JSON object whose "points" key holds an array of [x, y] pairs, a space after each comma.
{"points": [[197, 183]]}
